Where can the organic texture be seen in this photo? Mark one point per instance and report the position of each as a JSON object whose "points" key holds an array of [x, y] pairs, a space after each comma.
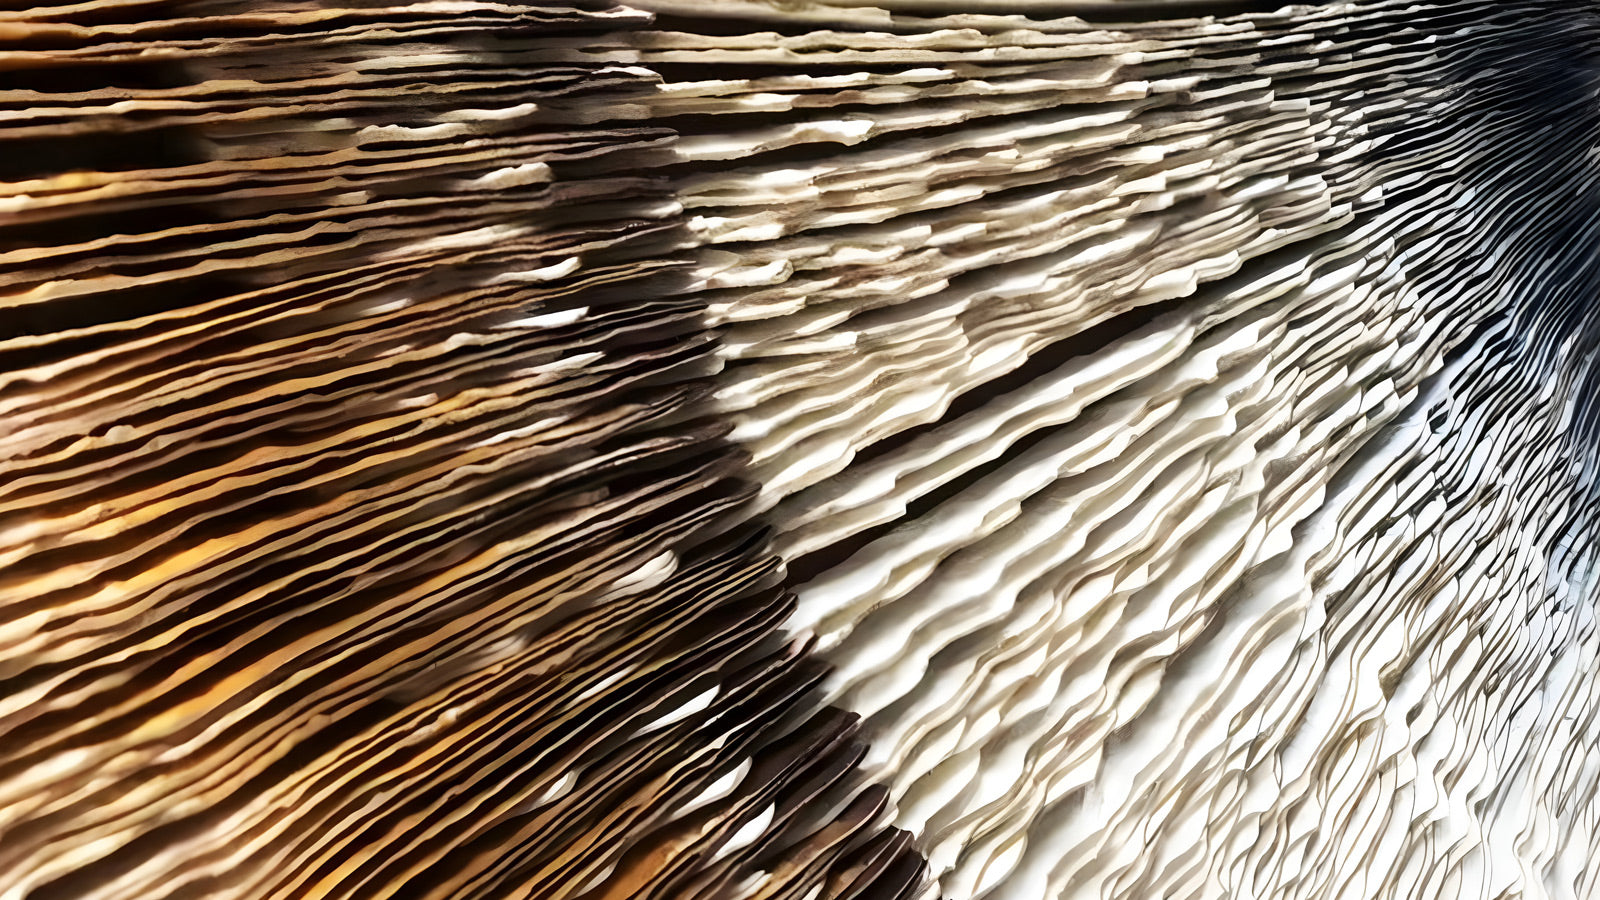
{"points": [[797, 450]]}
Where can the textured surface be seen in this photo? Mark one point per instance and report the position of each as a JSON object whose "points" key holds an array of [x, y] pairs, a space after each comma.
{"points": [[742, 449], [365, 530], [1177, 432]]}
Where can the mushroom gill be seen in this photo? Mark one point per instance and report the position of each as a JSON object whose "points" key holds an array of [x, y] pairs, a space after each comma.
{"points": [[799, 449]]}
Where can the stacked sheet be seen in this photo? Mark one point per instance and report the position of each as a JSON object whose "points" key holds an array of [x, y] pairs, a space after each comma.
{"points": [[756, 449]]}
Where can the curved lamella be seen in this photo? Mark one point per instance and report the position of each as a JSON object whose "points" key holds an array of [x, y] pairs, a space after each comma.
{"points": [[364, 527], [1159, 420], [784, 451]]}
